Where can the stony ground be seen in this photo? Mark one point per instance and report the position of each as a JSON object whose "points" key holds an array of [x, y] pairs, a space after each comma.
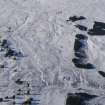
{"points": [[37, 39]]}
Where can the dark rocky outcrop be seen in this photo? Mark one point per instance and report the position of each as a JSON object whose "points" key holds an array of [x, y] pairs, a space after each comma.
{"points": [[81, 54], [5, 46], [101, 73], [95, 31], [80, 44], [99, 25], [4, 43], [80, 63], [1, 99], [81, 27], [81, 36], [86, 96], [10, 53], [76, 18], [27, 102], [98, 29], [79, 98], [19, 82]]}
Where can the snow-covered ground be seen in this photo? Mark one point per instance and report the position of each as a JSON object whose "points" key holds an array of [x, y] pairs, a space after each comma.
{"points": [[39, 30]]}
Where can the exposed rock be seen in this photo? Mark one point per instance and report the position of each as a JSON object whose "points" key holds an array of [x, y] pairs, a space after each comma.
{"points": [[81, 27], [79, 98], [76, 18], [98, 29], [27, 102], [80, 44], [19, 82], [101, 73], [80, 63], [81, 54], [100, 25], [81, 36]]}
